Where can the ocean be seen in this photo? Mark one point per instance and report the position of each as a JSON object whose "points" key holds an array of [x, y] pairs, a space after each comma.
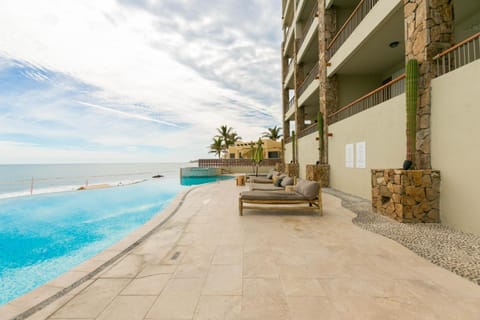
{"points": [[26, 179]]}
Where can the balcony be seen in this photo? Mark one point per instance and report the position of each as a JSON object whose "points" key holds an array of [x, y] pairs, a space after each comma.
{"points": [[288, 81], [377, 96], [310, 28], [291, 109], [458, 55], [288, 13], [358, 14], [309, 79], [363, 44], [308, 130], [288, 48]]}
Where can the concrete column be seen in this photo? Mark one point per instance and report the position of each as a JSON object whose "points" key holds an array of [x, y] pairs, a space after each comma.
{"points": [[428, 31]]}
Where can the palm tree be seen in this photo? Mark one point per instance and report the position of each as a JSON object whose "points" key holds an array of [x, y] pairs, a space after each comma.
{"points": [[234, 137], [216, 146], [273, 133], [228, 136]]}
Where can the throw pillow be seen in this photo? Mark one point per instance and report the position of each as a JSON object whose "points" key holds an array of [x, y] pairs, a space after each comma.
{"points": [[287, 181], [278, 181], [299, 186], [310, 189]]}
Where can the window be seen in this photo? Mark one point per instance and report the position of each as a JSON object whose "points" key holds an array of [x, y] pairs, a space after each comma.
{"points": [[273, 155]]}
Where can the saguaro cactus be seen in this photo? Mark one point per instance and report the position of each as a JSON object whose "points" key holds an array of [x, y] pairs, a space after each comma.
{"points": [[321, 142], [411, 92]]}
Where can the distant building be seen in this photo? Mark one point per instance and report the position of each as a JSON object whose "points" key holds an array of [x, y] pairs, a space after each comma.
{"points": [[242, 150]]}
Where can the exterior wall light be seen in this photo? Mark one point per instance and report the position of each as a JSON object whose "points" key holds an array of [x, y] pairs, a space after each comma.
{"points": [[393, 44]]}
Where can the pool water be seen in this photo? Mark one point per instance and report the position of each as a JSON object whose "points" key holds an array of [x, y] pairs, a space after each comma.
{"points": [[43, 236]]}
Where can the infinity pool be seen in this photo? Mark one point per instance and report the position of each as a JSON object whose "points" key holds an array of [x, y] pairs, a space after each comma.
{"points": [[43, 236]]}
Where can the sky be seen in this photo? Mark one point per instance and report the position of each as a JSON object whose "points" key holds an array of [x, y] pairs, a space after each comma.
{"points": [[134, 80]]}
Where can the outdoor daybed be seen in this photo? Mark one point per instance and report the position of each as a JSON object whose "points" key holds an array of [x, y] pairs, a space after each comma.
{"points": [[265, 179], [279, 185], [306, 193]]}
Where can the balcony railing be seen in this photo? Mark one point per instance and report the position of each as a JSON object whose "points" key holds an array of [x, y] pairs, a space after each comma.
{"points": [[288, 34], [308, 24], [291, 102], [377, 96], [308, 130], [360, 12], [312, 74], [458, 55]]}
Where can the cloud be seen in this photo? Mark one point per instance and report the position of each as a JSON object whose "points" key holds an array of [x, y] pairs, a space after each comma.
{"points": [[160, 74], [126, 114]]}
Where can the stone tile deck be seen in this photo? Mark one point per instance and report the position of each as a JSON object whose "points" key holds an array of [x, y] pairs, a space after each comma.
{"points": [[267, 265]]}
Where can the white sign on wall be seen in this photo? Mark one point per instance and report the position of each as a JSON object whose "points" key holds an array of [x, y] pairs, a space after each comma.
{"points": [[361, 155], [349, 155]]}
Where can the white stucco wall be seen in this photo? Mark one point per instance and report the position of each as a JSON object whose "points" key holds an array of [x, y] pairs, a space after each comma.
{"points": [[456, 145], [288, 152], [308, 152], [382, 128]]}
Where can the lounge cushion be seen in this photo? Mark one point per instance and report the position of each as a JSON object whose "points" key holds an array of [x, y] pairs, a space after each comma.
{"points": [[287, 181], [270, 195], [299, 185], [261, 180], [309, 189], [270, 175]]}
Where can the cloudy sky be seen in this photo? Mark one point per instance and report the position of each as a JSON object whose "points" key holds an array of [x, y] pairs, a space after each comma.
{"points": [[134, 80]]}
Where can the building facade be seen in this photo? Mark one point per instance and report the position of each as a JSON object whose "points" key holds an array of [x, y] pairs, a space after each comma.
{"points": [[346, 59], [243, 150]]}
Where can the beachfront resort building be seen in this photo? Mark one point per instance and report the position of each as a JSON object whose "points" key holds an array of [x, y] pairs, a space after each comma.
{"points": [[347, 59], [243, 150]]}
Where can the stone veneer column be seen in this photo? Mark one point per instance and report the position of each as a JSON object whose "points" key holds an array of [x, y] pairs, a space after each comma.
{"points": [[428, 31], [300, 77], [327, 28]]}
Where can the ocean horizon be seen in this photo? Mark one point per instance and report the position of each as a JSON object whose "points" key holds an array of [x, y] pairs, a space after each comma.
{"points": [[30, 179]]}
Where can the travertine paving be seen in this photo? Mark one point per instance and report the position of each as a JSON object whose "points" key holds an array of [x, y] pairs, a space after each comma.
{"points": [[268, 265], [444, 246]]}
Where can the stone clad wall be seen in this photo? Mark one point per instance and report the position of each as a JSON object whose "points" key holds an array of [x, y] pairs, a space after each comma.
{"points": [[407, 195], [428, 31], [327, 28], [291, 169], [320, 173]]}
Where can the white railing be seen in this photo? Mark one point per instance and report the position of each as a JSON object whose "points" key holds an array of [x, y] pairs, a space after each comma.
{"points": [[458, 55]]}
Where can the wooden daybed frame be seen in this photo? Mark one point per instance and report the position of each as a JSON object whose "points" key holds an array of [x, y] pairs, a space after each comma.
{"points": [[278, 204]]}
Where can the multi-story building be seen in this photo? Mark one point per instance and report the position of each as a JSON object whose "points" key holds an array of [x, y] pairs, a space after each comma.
{"points": [[346, 59]]}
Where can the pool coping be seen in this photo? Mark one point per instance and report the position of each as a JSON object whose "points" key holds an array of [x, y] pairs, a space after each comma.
{"points": [[42, 296]]}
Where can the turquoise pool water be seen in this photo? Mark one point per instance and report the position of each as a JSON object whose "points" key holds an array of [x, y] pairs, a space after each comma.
{"points": [[43, 236]]}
